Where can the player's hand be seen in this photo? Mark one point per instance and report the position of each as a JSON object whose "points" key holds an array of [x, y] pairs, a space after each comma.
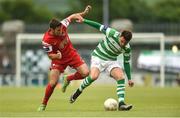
{"points": [[86, 11], [59, 55], [130, 83]]}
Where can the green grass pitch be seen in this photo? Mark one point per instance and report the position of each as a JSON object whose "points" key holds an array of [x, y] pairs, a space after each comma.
{"points": [[147, 101]]}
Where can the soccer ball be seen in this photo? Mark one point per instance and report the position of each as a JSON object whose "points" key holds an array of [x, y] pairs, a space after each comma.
{"points": [[110, 104]]}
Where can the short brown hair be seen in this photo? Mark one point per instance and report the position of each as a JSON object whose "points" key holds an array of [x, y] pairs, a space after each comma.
{"points": [[127, 35], [54, 23]]}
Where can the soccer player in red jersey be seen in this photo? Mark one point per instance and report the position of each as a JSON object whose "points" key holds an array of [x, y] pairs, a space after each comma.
{"points": [[60, 50]]}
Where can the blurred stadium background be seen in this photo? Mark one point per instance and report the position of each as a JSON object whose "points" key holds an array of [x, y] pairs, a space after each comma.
{"points": [[156, 43], [25, 16]]}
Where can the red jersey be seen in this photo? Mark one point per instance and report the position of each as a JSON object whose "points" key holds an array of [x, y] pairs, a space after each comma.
{"points": [[52, 44]]}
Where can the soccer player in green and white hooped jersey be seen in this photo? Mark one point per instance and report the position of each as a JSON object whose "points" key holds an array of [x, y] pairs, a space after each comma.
{"points": [[104, 58]]}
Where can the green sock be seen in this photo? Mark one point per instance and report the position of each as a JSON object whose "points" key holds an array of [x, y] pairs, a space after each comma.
{"points": [[121, 90], [86, 82]]}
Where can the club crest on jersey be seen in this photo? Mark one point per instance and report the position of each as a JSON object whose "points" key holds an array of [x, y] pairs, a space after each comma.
{"points": [[116, 34], [63, 43], [114, 43]]}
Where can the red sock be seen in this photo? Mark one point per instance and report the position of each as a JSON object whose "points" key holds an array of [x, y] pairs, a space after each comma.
{"points": [[48, 93], [75, 76]]}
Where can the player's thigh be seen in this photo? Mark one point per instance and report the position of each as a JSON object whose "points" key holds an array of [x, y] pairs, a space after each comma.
{"points": [[79, 64], [54, 76], [83, 70], [117, 73], [94, 73], [57, 65]]}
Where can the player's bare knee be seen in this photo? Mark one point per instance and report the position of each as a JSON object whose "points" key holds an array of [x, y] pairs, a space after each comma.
{"points": [[53, 83], [94, 77], [85, 73], [118, 77]]}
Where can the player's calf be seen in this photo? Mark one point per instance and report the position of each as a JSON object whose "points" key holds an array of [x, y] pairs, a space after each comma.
{"points": [[65, 83]]}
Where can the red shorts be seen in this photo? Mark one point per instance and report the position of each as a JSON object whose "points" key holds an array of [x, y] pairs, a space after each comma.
{"points": [[74, 62]]}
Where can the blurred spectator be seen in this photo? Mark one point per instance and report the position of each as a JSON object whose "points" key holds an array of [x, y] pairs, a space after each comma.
{"points": [[6, 64]]}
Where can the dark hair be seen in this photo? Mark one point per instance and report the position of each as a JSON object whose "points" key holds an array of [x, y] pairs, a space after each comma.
{"points": [[54, 23], [127, 35]]}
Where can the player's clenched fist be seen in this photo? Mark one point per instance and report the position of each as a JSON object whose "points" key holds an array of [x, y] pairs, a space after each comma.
{"points": [[59, 55]]}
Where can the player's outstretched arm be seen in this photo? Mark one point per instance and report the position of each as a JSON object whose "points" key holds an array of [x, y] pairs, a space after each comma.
{"points": [[76, 17], [109, 32], [93, 24]]}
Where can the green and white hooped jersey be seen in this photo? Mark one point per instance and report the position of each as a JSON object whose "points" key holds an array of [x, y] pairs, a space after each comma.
{"points": [[109, 48]]}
